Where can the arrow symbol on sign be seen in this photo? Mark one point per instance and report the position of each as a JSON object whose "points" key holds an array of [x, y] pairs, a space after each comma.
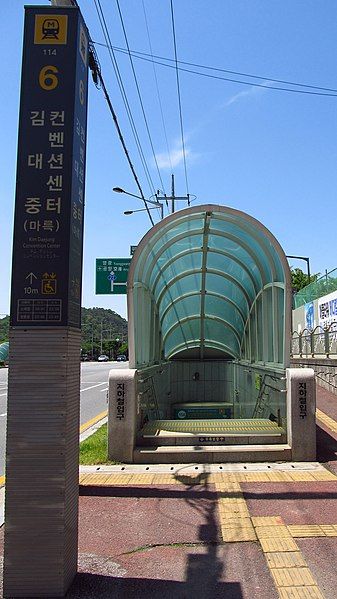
{"points": [[31, 276]]}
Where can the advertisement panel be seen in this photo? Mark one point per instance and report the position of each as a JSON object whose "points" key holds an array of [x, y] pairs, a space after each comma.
{"points": [[327, 309]]}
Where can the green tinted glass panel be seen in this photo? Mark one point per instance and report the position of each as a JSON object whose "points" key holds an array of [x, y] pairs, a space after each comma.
{"points": [[221, 334], [227, 288], [185, 285], [182, 308], [224, 309], [185, 264]]}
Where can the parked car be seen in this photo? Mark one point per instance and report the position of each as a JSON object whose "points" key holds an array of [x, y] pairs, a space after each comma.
{"points": [[121, 358], [103, 358]]}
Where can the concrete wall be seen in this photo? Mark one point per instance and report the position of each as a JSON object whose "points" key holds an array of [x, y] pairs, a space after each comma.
{"points": [[325, 371]]}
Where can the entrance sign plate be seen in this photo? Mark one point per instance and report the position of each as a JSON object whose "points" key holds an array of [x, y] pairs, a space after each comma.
{"points": [[47, 254], [112, 275]]}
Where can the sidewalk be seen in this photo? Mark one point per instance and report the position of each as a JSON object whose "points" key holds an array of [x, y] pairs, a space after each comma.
{"points": [[242, 531]]}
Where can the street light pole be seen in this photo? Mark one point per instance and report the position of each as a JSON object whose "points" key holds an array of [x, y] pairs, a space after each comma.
{"points": [[156, 204], [307, 260]]}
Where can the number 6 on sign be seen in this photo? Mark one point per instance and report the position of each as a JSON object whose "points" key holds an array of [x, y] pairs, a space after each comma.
{"points": [[47, 77]]}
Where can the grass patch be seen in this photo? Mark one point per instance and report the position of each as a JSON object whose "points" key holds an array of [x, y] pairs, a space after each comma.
{"points": [[94, 450]]}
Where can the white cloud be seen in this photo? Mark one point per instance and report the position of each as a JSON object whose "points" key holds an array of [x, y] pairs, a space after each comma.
{"points": [[177, 156], [251, 92]]}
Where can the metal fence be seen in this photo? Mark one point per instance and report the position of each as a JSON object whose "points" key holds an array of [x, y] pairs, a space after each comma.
{"points": [[318, 342], [324, 285]]}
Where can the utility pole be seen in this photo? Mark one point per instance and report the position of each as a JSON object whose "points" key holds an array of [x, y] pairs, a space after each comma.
{"points": [[172, 194], [173, 198], [101, 336]]}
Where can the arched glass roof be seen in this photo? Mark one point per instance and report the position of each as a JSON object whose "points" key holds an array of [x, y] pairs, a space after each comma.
{"points": [[209, 281]]}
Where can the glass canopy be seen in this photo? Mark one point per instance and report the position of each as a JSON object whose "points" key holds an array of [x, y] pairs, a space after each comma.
{"points": [[209, 282]]}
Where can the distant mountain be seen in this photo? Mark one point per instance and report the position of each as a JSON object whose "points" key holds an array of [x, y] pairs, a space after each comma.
{"points": [[97, 323]]}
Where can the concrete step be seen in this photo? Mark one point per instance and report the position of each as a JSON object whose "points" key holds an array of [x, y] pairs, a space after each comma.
{"points": [[185, 454], [172, 439], [211, 432]]}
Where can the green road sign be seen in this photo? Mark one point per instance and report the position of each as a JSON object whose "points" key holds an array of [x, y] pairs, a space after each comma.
{"points": [[112, 275]]}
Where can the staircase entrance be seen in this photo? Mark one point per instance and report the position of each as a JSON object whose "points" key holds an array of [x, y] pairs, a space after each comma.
{"points": [[209, 312]]}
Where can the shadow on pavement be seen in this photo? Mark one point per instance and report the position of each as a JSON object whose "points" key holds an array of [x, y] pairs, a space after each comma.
{"points": [[201, 576], [326, 446], [199, 585]]}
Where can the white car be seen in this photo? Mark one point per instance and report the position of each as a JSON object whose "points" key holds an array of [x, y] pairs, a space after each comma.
{"points": [[103, 358]]}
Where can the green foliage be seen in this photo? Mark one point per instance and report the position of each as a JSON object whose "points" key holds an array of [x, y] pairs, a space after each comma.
{"points": [[94, 320], [4, 329], [106, 325], [299, 279], [94, 450]]}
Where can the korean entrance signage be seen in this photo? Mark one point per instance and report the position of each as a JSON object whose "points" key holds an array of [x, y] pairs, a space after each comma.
{"points": [[48, 230], [112, 275]]}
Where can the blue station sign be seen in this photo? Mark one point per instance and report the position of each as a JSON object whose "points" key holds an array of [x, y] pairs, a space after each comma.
{"points": [[48, 229]]}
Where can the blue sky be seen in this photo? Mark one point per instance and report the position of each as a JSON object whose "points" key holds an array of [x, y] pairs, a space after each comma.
{"points": [[269, 153]]}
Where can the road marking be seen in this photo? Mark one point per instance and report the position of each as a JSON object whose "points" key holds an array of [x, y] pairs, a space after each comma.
{"points": [[102, 390], [92, 387], [93, 421], [3, 394], [4, 414], [2, 481]]}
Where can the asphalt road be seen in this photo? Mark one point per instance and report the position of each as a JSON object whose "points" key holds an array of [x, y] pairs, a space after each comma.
{"points": [[94, 386]]}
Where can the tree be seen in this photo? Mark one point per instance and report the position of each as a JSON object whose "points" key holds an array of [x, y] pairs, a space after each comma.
{"points": [[300, 279]]}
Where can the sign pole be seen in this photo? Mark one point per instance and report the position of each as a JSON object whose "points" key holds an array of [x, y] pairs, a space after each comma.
{"points": [[41, 509]]}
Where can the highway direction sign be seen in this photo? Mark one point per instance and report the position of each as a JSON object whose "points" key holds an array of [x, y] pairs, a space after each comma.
{"points": [[112, 275]]}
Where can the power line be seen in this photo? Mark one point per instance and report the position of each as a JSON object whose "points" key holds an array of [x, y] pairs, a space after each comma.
{"points": [[138, 92], [179, 98], [95, 68], [144, 55], [114, 116], [157, 88], [123, 92]]}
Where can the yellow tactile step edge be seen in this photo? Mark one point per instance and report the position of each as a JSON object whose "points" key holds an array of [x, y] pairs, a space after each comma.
{"points": [[106, 478], [285, 561], [325, 419]]}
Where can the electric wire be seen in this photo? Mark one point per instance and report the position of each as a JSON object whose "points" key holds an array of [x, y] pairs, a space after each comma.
{"points": [[157, 88], [139, 93], [97, 76], [179, 99], [123, 92], [143, 56], [107, 97]]}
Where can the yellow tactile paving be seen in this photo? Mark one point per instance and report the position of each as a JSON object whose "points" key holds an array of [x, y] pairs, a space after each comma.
{"points": [[235, 523], [278, 545], [322, 475], [285, 559], [213, 426], [230, 480], [330, 530], [272, 532], [293, 577], [307, 530], [300, 593], [238, 534], [301, 476], [327, 420]]}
